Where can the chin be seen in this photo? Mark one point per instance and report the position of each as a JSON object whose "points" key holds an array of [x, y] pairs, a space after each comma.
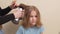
{"points": [[33, 23]]}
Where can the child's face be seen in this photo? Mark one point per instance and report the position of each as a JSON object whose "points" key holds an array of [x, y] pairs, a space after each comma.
{"points": [[33, 18]]}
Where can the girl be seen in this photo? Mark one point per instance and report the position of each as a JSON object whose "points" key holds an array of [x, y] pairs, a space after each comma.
{"points": [[31, 22]]}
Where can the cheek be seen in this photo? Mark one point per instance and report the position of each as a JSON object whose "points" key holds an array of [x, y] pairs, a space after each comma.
{"points": [[30, 20]]}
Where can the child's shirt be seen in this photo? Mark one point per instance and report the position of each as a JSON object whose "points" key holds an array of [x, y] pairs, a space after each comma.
{"points": [[32, 30]]}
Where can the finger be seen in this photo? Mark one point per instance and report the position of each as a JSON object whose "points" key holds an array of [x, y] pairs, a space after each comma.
{"points": [[13, 2]]}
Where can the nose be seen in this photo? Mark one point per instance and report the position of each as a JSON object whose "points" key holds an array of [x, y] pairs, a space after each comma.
{"points": [[33, 18]]}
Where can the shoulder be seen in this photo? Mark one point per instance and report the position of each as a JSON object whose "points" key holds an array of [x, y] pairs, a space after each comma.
{"points": [[20, 30], [21, 27], [41, 29]]}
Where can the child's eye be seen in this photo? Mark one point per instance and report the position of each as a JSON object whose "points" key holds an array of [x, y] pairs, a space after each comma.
{"points": [[35, 16], [31, 16]]}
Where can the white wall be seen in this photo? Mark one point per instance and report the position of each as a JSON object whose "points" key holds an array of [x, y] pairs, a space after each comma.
{"points": [[50, 15]]}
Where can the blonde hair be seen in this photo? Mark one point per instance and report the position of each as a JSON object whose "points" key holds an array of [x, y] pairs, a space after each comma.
{"points": [[28, 10]]}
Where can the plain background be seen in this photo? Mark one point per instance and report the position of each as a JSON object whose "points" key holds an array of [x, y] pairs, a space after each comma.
{"points": [[50, 15]]}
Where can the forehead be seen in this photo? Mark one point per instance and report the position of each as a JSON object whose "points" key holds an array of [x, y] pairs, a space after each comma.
{"points": [[33, 12]]}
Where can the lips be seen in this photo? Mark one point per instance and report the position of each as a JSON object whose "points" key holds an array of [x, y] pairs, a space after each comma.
{"points": [[33, 21]]}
